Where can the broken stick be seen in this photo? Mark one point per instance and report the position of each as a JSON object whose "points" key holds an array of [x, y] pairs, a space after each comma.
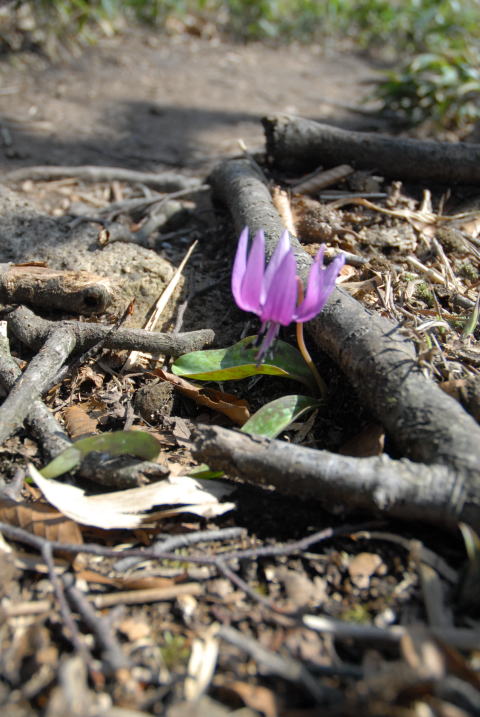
{"points": [[70, 291], [33, 330], [298, 145]]}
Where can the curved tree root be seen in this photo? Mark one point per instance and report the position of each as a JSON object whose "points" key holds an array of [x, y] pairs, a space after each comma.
{"points": [[424, 424]]}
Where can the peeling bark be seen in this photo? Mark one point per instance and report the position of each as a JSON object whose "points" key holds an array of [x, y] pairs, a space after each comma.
{"points": [[72, 291], [424, 424], [295, 144]]}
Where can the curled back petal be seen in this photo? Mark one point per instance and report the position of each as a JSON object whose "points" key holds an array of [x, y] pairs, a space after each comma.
{"points": [[280, 302], [320, 285]]}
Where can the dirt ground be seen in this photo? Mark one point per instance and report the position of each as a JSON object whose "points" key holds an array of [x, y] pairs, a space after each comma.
{"points": [[147, 100], [215, 639]]}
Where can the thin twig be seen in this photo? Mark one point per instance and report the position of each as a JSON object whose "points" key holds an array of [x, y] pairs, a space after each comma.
{"points": [[32, 331], [112, 654], [67, 617], [164, 181], [184, 541], [35, 379], [286, 667]]}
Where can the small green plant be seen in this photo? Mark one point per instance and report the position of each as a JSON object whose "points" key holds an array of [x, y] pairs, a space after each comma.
{"points": [[357, 613], [424, 292], [174, 651]]}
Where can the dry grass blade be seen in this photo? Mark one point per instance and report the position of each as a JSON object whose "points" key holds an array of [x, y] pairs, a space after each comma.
{"points": [[160, 305]]}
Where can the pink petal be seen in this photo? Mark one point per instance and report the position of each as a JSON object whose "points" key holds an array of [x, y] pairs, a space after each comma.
{"points": [[282, 248], [282, 295], [239, 266], [247, 275], [320, 285], [251, 288]]}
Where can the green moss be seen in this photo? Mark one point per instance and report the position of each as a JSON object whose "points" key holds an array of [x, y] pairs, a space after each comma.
{"points": [[175, 651], [357, 613], [423, 292], [468, 271]]}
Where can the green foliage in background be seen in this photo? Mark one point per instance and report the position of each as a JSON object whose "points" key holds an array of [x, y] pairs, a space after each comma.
{"points": [[435, 42], [443, 89]]}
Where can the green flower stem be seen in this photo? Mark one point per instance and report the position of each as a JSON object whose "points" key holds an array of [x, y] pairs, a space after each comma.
{"points": [[322, 386]]}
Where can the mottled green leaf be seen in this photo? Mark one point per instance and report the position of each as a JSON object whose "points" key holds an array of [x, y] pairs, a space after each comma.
{"points": [[134, 443], [238, 361], [276, 416], [203, 471]]}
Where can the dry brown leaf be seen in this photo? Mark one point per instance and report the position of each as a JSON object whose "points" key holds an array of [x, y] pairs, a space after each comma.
{"points": [[347, 272], [236, 409], [78, 422], [125, 582], [368, 442], [134, 629], [40, 519], [363, 566], [256, 697], [127, 508]]}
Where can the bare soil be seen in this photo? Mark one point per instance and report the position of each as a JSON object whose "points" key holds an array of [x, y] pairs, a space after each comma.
{"points": [[147, 100]]}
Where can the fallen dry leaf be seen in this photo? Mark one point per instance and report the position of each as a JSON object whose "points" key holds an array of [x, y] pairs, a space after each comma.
{"points": [[363, 566], [40, 519], [127, 508], [78, 423], [125, 582], [236, 409], [347, 273], [201, 666], [256, 697], [369, 442]]}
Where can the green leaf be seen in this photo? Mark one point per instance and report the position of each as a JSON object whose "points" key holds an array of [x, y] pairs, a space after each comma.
{"points": [[276, 416], [204, 472], [134, 443], [238, 361], [472, 321]]}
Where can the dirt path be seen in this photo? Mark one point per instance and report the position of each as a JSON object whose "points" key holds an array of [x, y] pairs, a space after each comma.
{"points": [[145, 100]]}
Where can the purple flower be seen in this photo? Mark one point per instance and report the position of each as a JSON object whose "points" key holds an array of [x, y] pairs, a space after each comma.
{"points": [[272, 292]]}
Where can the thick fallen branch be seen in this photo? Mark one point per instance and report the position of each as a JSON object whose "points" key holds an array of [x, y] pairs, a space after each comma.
{"points": [[295, 144], [33, 330], [72, 291], [164, 181], [425, 424], [401, 489]]}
